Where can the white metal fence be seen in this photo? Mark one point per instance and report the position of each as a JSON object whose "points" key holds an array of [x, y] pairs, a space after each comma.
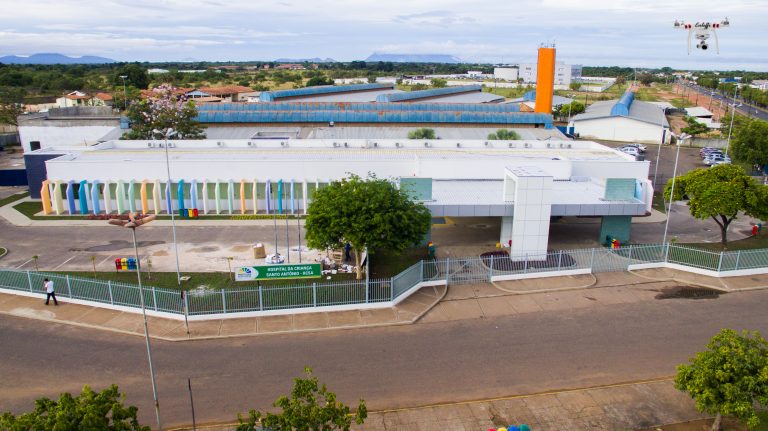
{"points": [[307, 296]]}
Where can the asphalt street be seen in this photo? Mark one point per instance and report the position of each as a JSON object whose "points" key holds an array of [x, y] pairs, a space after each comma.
{"points": [[390, 367], [741, 107]]}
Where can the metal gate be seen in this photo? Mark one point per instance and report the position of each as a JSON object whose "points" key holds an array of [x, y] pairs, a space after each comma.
{"points": [[466, 271]]}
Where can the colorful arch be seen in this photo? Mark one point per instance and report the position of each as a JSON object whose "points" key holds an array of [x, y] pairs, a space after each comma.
{"points": [[280, 196], [268, 197], [180, 195], [71, 197], [255, 197], [156, 196], [143, 195], [193, 194], [107, 197], [82, 194], [205, 196], [231, 196], [95, 197], [58, 202], [217, 196], [132, 196], [168, 203], [45, 197], [242, 197]]}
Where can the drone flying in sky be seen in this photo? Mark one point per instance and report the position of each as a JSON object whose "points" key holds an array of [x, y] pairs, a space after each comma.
{"points": [[701, 31]]}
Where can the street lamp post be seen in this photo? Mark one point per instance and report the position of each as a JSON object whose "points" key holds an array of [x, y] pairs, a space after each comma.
{"points": [[680, 140], [132, 224], [125, 93], [661, 144], [733, 115]]}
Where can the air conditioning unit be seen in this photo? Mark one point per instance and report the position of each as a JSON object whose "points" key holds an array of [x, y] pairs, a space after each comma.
{"points": [[562, 145], [150, 144], [375, 145], [398, 145], [171, 145], [283, 144], [486, 143], [458, 145], [570, 146], [426, 144], [335, 144], [221, 144], [511, 145], [550, 145], [250, 144], [346, 144], [527, 145]]}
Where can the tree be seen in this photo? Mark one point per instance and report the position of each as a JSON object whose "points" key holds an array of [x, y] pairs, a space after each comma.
{"points": [[504, 135], [574, 86], [573, 108], [438, 82], [11, 105], [620, 80], [422, 133], [164, 109], [728, 378], [102, 411], [694, 127], [751, 143], [366, 213], [720, 192], [319, 80], [136, 76], [645, 79], [311, 406]]}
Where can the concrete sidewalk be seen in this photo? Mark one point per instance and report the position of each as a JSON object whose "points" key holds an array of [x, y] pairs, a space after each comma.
{"points": [[627, 406], [407, 312]]}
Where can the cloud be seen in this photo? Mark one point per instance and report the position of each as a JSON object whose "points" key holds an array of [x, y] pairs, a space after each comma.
{"points": [[436, 17]]}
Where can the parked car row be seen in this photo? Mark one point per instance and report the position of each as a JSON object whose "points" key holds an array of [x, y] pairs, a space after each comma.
{"points": [[713, 156]]}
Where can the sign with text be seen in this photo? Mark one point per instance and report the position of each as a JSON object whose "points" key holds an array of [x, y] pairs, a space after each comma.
{"points": [[276, 272]]}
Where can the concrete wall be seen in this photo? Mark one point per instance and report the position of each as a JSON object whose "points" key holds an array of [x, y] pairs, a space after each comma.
{"points": [[618, 129]]}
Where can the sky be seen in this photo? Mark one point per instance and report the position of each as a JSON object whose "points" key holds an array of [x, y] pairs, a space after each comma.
{"points": [[631, 33]]}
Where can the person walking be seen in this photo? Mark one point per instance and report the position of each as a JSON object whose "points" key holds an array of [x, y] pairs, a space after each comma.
{"points": [[49, 293]]}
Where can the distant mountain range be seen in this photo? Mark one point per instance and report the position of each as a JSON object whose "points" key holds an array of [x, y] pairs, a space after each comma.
{"points": [[54, 59], [414, 58], [302, 60]]}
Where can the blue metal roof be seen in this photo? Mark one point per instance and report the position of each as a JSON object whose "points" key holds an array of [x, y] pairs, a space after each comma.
{"points": [[621, 108], [357, 106], [423, 94], [271, 96]]}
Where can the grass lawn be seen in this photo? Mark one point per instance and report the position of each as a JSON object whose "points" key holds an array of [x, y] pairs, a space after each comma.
{"points": [[659, 203], [211, 280], [13, 198], [729, 424], [3, 251], [387, 264], [750, 243]]}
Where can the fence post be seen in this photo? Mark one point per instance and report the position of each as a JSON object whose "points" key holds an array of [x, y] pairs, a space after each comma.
{"points": [[314, 294], [29, 280], [392, 289], [560, 261], [629, 256], [186, 302], [447, 271], [367, 292], [720, 262], [261, 299], [738, 256], [111, 298], [490, 273], [592, 261], [69, 287], [154, 297], [525, 267], [421, 270], [223, 301]]}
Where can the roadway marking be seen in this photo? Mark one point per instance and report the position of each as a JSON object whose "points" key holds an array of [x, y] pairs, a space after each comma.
{"points": [[105, 259], [30, 260], [65, 262]]}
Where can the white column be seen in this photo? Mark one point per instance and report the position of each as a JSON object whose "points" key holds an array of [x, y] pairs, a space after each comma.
{"points": [[304, 195]]}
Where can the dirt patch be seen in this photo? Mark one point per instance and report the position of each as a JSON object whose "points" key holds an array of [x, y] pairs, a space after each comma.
{"points": [[204, 249], [239, 248], [688, 292], [699, 425], [160, 253]]}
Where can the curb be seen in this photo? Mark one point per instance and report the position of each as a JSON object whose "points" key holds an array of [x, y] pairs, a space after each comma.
{"points": [[559, 289]]}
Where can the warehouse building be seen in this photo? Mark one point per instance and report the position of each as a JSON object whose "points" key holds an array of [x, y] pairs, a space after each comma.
{"points": [[624, 120]]}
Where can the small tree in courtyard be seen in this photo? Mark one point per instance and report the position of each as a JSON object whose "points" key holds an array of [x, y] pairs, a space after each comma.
{"points": [[729, 378], [504, 135], [422, 133], [366, 213], [310, 406], [99, 411], [720, 193], [751, 143], [164, 109]]}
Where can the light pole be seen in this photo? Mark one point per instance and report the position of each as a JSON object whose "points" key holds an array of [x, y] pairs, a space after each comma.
{"points": [[132, 224], [167, 134], [125, 93], [733, 115], [680, 140], [661, 144]]}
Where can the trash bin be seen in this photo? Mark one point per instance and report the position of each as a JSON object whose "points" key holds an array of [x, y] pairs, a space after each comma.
{"points": [[259, 252]]}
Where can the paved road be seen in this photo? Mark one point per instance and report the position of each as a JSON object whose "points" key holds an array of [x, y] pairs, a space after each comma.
{"points": [[390, 367], [742, 108]]}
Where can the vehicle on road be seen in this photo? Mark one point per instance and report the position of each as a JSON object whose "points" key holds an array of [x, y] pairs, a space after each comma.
{"points": [[632, 151], [640, 147], [717, 158]]}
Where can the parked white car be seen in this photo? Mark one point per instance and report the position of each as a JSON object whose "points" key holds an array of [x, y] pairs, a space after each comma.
{"points": [[632, 151], [640, 147], [717, 158]]}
